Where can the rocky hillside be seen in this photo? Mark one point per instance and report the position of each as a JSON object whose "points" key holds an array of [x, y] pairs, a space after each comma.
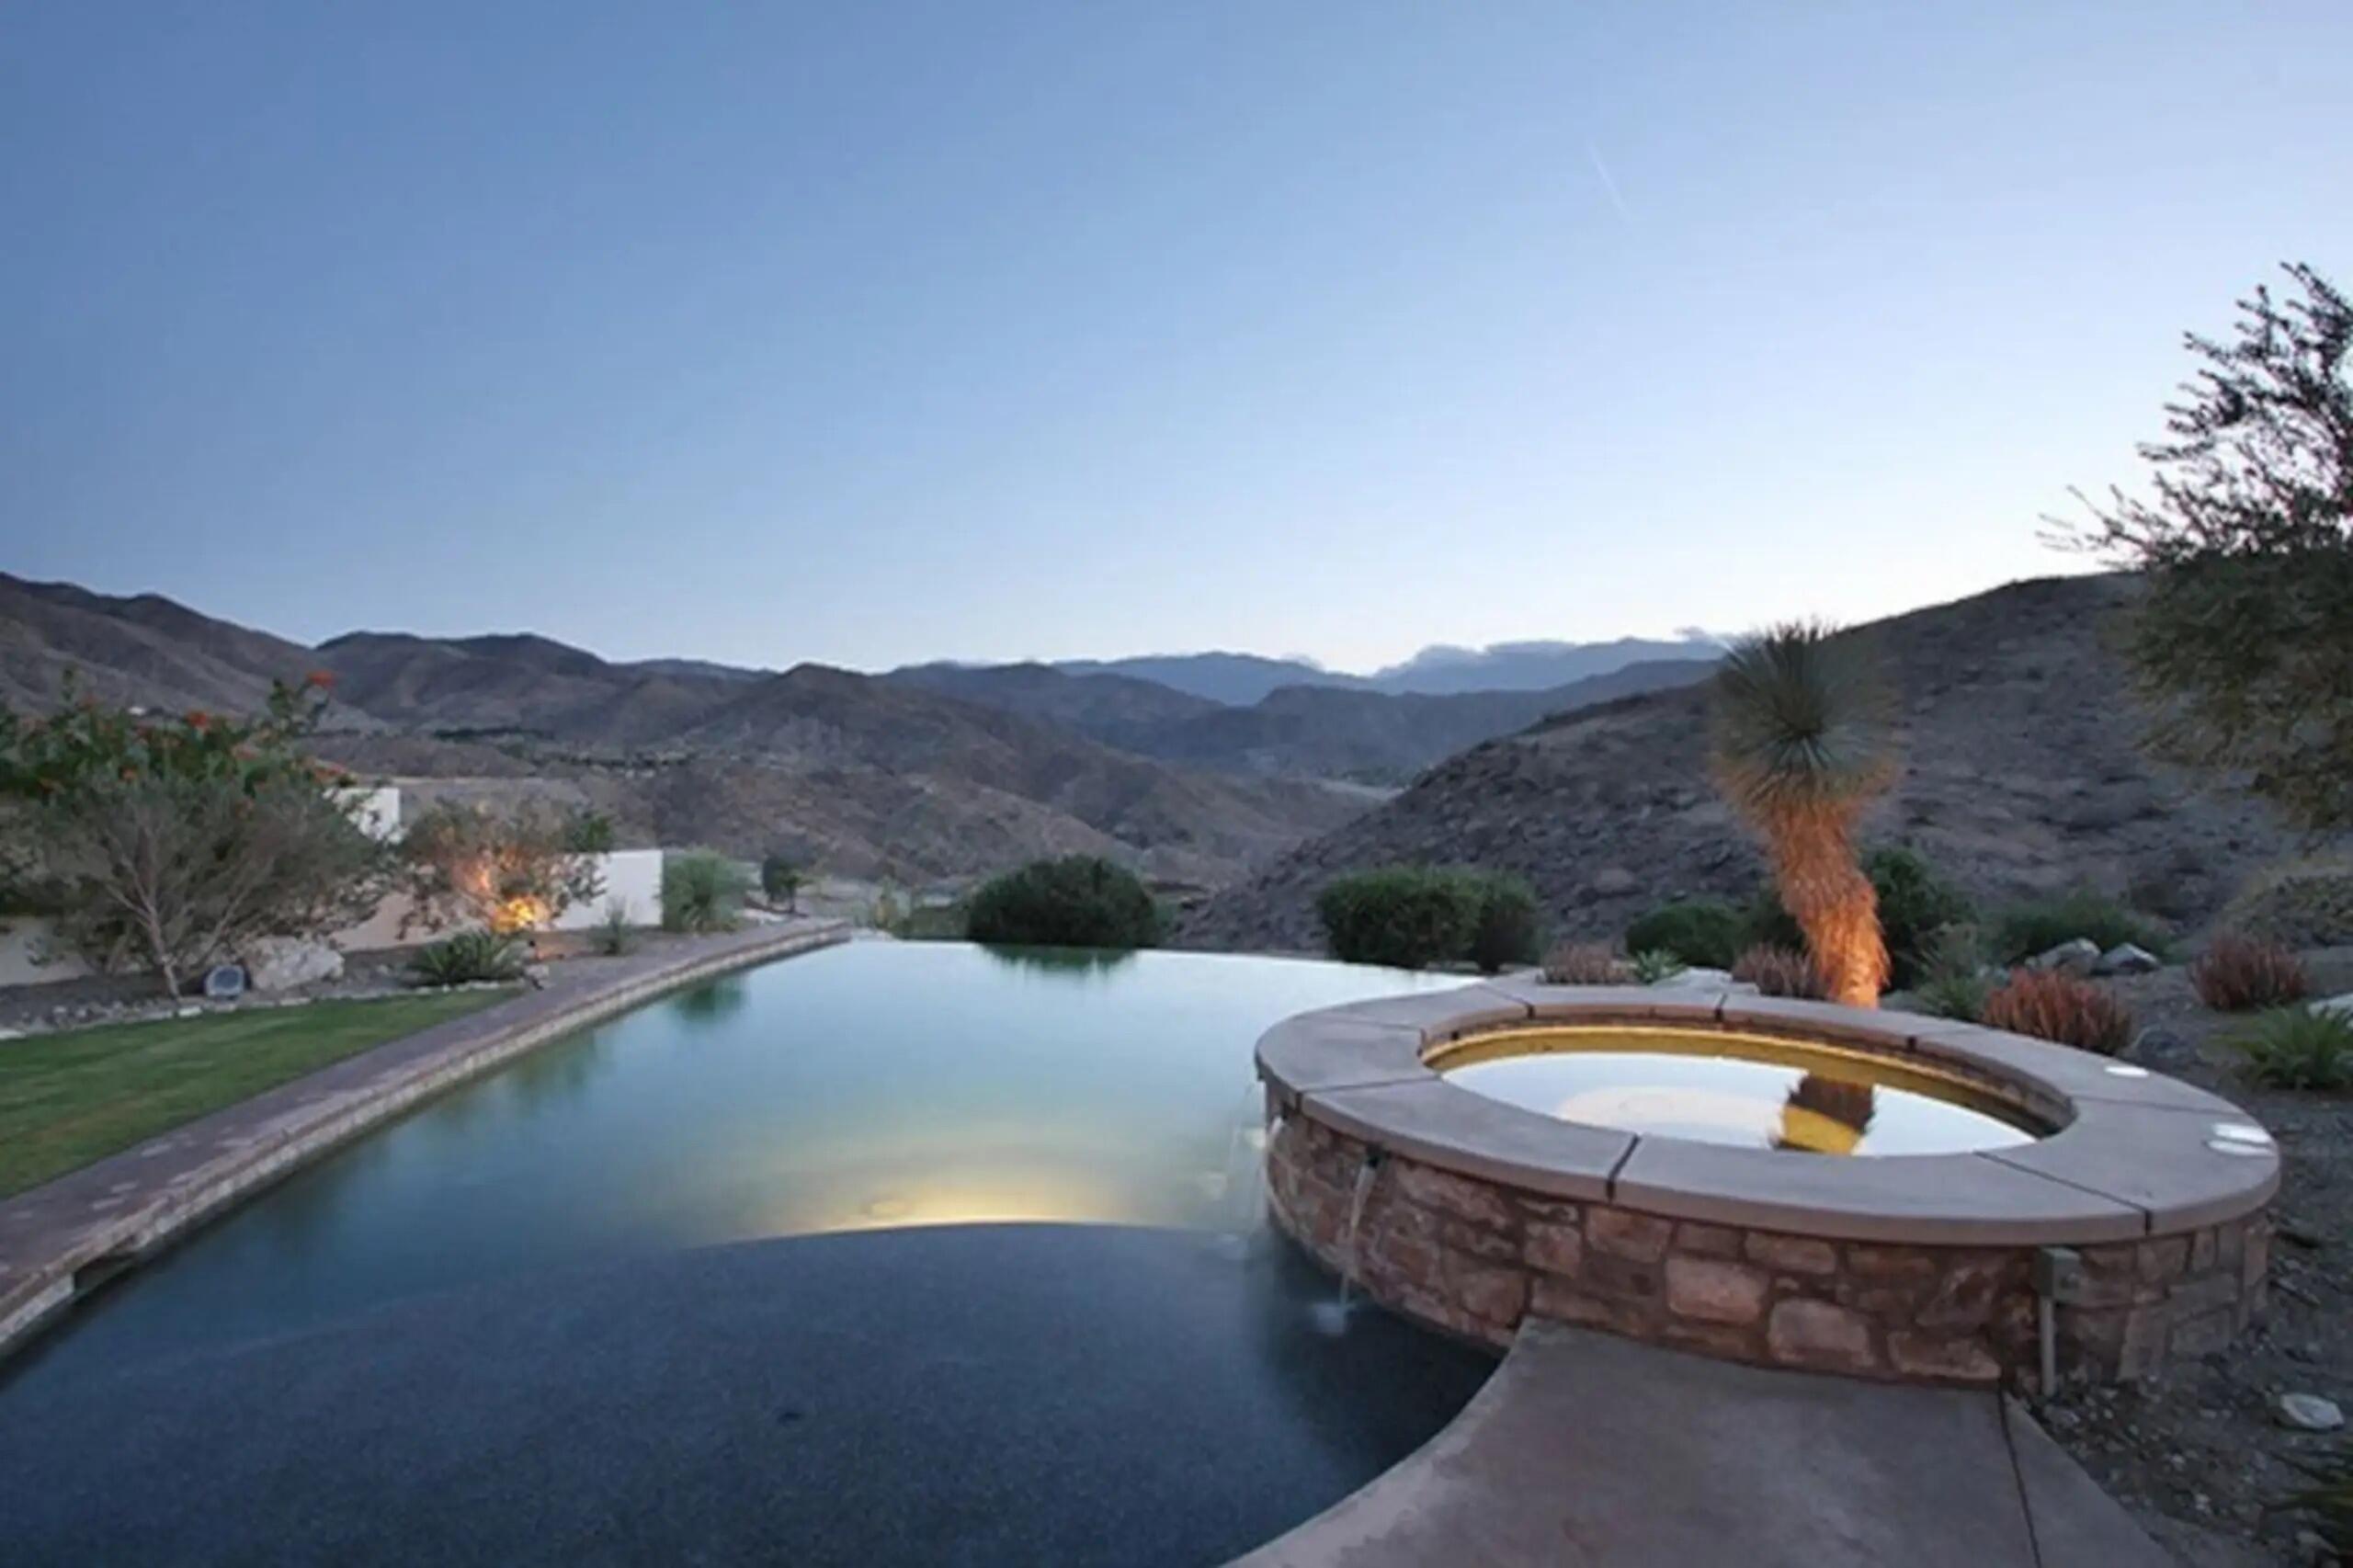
{"points": [[2020, 775], [861, 776]]}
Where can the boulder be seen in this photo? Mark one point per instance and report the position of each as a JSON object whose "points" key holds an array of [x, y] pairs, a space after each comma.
{"points": [[2126, 959], [1612, 881], [2080, 956], [280, 963], [2308, 1413]]}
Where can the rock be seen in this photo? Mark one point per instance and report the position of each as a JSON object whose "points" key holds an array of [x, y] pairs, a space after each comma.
{"points": [[535, 975], [1698, 979], [2341, 1005], [187, 1010], [2163, 1048], [2080, 956], [2308, 1413], [1611, 880], [2126, 959], [224, 981], [280, 963]]}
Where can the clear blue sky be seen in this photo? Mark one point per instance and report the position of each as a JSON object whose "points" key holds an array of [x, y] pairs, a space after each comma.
{"points": [[872, 332]]}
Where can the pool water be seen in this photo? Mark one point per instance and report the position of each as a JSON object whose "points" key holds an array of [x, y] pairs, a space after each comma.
{"points": [[1749, 1091], [1004, 1208]]}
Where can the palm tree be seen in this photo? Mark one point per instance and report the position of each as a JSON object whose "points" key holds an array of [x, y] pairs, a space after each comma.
{"points": [[1799, 749]]}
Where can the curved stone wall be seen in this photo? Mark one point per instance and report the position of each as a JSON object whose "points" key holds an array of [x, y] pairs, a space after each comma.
{"points": [[2142, 1214]]}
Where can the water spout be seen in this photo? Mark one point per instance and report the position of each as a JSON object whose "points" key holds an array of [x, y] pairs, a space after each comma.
{"points": [[1352, 1243]]}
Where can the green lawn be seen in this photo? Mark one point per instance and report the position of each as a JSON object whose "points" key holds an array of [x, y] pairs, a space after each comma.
{"points": [[69, 1098]]}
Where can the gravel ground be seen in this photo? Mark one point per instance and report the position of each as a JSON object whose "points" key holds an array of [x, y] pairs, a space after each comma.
{"points": [[2199, 1455]]}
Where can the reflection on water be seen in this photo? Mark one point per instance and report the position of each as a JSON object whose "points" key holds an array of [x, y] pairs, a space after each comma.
{"points": [[1751, 1091], [1079, 963], [870, 1086]]}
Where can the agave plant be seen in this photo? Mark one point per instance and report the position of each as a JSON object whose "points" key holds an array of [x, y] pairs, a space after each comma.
{"points": [[1799, 748]]}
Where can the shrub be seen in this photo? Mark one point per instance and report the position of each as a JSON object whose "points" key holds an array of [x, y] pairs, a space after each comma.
{"points": [[781, 879], [612, 935], [1703, 931], [2026, 930], [468, 956], [590, 833], [701, 892], [2238, 974], [1508, 928], [1585, 963], [2296, 1048], [1781, 971], [170, 842], [1954, 995], [1654, 964], [1079, 900], [2329, 1499], [2056, 1006], [1915, 900], [1404, 917]]}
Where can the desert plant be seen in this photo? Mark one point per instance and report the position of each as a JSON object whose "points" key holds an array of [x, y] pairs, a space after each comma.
{"points": [[1654, 964], [2239, 974], [612, 935], [465, 958], [2244, 628], [2025, 930], [1781, 971], [1508, 928], [1954, 995], [2329, 1500], [1799, 748], [1916, 901], [1079, 900], [1585, 963], [2299, 1048], [1404, 917], [171, 842], [510, 868], [781, 879], [1706, 932], [701, 892], [2059, 1007]]}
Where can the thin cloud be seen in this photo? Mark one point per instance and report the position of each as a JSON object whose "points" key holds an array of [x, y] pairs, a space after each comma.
{"points": [[1610, 185]]}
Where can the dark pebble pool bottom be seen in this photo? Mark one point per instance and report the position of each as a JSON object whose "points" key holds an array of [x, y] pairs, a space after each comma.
{"points": [[1000, 1394]]}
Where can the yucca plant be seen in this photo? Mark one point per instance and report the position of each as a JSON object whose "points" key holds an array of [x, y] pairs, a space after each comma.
{"points": [[2299, 1048], [467, 958], [1653, 965], [1799, 748]]}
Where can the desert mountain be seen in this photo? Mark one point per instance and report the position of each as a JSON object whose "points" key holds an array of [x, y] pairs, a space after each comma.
{"points": [[1314, 731], [863, 775], [2020, 774], [1241, 680]]}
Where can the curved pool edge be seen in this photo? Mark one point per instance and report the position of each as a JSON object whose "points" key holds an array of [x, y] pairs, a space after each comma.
{"points": [[66, 1237], [1471, 1215]]}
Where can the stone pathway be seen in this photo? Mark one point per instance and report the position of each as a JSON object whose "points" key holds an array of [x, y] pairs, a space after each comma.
{"points": [[1589, 1451], [68, 1235]]}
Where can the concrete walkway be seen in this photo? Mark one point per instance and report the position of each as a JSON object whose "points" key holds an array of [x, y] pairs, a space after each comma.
{"points": [[68, 1235], [1585, 1450]]}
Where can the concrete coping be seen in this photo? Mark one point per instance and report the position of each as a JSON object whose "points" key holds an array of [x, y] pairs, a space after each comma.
{"points": [[2127, 1152]]}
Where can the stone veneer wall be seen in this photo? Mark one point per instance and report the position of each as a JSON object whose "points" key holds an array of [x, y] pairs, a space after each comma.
{"points": [[1472, 1257]]}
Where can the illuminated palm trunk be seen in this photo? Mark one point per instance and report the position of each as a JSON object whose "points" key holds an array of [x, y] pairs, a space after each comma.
{"points": [[1825, 892]]}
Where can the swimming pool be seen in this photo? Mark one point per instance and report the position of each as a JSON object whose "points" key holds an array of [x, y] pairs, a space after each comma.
{"points": [[919, 1233]]}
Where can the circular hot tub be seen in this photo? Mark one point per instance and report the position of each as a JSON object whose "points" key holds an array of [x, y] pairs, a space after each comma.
{"points": [[1783, 1182]]}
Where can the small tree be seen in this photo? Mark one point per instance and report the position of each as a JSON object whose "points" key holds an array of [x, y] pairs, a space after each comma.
{"points": [[172, 842], [509, 870], [2244, 637], [781, 879], [1799, 748], [701, 892]]}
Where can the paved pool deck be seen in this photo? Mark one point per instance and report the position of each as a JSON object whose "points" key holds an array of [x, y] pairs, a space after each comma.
{"points": [[65, 1236], [1589, 1451]]}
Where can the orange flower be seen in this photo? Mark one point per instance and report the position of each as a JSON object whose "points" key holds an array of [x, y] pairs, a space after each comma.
{"points": [[322, 679], [198, 720]]}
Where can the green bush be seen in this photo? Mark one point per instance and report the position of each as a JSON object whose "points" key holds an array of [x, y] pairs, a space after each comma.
{"points": [[1654, 964], [1403, 917], [781, 879], [1915, 902], [2026, 930], [1509, 927], [1079, 900], [701, 892], [468, 956], [2295, 1048], [1702, 932]]}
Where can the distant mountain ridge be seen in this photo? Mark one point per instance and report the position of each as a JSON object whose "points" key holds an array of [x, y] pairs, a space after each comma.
{"points": [[1442, 669]]}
